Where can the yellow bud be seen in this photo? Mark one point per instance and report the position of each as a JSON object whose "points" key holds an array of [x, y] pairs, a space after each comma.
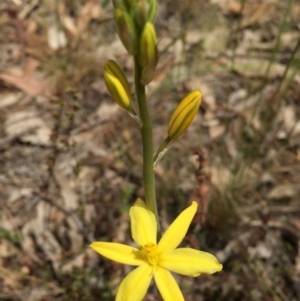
{"points": [[113, 69], [184, 114], [126, 31], [148, 53], [117, 85], [148, 46]]}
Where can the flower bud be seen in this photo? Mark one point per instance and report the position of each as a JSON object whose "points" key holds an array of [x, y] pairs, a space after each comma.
{"points": [[148, 46], [148, 53], [184, 114], [117, 85], [144, 11], [113, 68], [126, 30]]}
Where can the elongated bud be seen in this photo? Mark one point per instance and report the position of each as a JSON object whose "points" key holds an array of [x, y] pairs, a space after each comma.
{"points": [[147, 56], [113, 68], [184, 114], [144, 11], [126, 31], [117, 85], [148, 46]]}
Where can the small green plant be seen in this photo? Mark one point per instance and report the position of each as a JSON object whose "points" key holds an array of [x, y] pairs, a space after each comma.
{"points": [[10, 236]]}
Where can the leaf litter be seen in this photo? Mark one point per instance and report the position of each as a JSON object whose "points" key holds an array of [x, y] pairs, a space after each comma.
{"points": [[71, 161]]}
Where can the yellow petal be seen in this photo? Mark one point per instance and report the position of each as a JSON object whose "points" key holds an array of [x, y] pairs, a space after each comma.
{"points": [[143, 224], [190, 262], [167, 285], [135, 284], [176, 232], [118, 252]]}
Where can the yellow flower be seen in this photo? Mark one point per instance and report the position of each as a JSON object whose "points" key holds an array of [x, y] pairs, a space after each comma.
{"points": [[155, 259]]}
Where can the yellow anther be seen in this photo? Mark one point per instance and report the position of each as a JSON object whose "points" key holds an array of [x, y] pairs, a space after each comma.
{"points": [[150, 253]]}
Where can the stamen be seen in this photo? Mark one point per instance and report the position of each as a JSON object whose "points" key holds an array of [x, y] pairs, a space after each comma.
{"points": [[150, 254]]}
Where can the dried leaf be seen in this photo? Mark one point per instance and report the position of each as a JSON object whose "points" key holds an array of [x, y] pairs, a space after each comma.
{"points": [[22, 122], [27, 85], [284, 192], [24, 78], [8, 99], [56, 38]]}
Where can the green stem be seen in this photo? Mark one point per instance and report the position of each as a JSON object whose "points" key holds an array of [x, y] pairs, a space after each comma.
{"points": [[147, 140], [162, 150]]}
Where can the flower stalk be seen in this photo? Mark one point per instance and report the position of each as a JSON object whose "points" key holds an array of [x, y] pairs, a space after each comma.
{"points": [[147, 141]]}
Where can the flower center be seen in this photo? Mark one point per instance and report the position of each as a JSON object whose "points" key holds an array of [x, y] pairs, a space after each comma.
{"points": [[150, 254]]}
